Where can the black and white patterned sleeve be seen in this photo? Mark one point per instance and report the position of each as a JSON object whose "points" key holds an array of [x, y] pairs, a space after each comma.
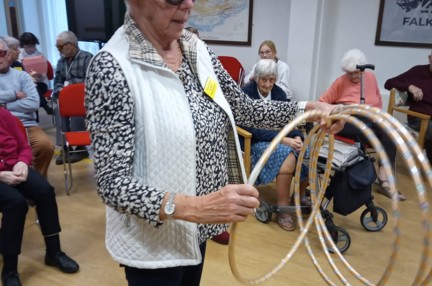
{"points": [[110, 120], [253, 113]]}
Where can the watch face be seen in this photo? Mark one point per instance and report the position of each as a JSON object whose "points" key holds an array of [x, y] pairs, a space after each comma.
{"points": [[169, 209]]}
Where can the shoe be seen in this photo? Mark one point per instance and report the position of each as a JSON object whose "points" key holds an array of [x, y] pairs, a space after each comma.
{"points": [[76, 157], [222, 238], [286, 221], [62, 262], [11, 279], [385, 190], [59, 159]]}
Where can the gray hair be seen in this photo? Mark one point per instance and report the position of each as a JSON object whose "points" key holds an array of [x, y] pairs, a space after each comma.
{"points": [[3, 43], [265, 68], [68, 36], [351, 59], [11, 42]]}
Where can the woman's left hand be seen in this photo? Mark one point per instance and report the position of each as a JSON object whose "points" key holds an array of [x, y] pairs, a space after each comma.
{"points": [[21, 170], [327, 110]]}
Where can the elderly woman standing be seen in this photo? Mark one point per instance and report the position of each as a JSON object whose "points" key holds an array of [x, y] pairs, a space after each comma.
{"points": [[346, 90], [267, 50], [162, 111], [281, 164]]}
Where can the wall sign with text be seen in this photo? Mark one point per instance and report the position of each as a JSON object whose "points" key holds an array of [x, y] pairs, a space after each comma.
{"points": [[405, 23]]}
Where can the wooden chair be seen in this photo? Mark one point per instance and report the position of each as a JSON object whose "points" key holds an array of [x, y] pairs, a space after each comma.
{"points": [[70, 104], [397, 104], [236, 71], [247, 136]]}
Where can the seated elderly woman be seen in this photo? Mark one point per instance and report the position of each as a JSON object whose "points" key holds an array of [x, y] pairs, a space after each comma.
{"points": [[267, 50], [346, 90], [18, 184], [281, 164]]}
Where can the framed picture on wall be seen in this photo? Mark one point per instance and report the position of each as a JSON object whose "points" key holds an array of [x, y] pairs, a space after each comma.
{"points": [[227, 22], [405, 23]]}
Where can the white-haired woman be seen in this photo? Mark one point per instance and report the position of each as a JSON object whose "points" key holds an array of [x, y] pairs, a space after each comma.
{"points": [[267, 50], [346, 90], [281, 164]]}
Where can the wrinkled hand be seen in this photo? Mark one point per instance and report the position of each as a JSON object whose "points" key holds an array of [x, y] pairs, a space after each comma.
{"points": [[416, 92], [21, 170], [327, 109], [11, 178], [295, 143], [232, 203], [36, 76]]}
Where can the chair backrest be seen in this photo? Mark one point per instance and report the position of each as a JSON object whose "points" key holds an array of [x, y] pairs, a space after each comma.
{"points": [[71, 100], [397, 104], [50, 71], [234, 68]]}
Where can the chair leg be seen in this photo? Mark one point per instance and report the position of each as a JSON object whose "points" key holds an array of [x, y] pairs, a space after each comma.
{"points": [[67, 173]]}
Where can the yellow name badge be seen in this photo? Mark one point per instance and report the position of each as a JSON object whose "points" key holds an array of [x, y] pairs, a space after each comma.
{"points": [[210, 87]]}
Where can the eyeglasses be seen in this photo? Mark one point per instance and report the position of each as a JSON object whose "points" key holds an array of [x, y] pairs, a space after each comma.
{"points": [[60, 47], [3, 53], [267, 52], [175, 2]]}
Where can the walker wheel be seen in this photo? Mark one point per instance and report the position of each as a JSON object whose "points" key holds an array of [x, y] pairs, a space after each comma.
{"points": [[368, 222], [263, 212], [341, 238]]}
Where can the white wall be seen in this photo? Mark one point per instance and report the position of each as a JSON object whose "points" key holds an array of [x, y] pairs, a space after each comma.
{"points": [[3, 27], [346, 25], [270, 22]]}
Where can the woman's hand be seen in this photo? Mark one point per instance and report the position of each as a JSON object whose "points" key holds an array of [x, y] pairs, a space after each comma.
{"points": [[11, 178], [36, 76], [232, 203], [327, 110], [296, 143], [21, 170]]}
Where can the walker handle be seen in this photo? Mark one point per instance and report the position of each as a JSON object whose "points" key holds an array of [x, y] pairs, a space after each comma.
{"points": [[366, 66]]}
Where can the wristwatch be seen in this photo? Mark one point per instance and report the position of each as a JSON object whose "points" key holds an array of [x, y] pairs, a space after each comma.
{"points": [[169, 208]]}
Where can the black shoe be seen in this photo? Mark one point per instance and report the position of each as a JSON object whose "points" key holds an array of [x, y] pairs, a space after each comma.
{"points": [[78, 156], [62, 262], [11, 279]]}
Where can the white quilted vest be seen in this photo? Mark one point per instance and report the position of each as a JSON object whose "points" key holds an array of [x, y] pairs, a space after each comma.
{"points": [[164, 128]]}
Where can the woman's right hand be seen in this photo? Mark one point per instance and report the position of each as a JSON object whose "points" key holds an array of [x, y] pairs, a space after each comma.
{"points": [[232, 203]]}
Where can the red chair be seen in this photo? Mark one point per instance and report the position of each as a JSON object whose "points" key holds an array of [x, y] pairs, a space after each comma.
{"points": [[50, 76], [70, 104], [234, 68]]}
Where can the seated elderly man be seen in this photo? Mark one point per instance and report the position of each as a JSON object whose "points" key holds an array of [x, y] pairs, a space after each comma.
{"points": [[417, 82], [18, 94], [71, 68]]}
